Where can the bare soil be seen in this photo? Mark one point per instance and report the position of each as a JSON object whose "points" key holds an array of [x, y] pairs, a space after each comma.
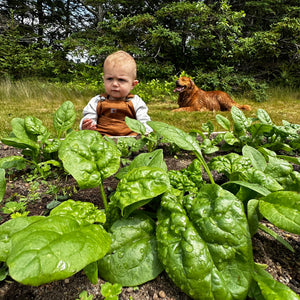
{"points": [[282, 264]]}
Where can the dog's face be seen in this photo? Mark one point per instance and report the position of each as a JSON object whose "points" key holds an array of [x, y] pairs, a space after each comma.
{"points": [[183, 84]]}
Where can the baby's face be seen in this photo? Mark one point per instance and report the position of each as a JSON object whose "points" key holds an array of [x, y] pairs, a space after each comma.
{"points": [[118, 80]]}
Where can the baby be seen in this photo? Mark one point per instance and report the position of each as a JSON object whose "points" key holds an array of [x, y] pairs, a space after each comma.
{"points": [[106, 112]]}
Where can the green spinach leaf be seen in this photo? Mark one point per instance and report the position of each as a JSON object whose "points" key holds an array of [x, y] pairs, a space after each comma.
{"points": [[133, 258], [282, 209], [204, 243], [138, 187], [89, 158], [54, 248]]}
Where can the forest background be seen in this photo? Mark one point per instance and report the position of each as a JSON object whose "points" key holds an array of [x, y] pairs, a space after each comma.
{"points": [[241, 47]]}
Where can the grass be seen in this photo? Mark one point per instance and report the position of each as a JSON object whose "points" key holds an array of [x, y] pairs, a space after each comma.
{"points": [[41, 100], [38, 99]]}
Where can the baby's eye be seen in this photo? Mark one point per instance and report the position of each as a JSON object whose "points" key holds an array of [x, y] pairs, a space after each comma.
{"points": [[122, 80], [109, 79]]}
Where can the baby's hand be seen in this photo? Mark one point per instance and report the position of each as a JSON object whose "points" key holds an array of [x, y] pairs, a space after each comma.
{"points": [[88, 124]]}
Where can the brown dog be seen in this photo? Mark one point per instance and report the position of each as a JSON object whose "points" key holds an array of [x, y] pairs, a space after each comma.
{"points": [[192, 98]]}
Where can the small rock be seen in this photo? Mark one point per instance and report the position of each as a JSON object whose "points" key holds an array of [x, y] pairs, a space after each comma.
{"points": [[129, 290], [67, 280], [155, 297], [162, 294]]}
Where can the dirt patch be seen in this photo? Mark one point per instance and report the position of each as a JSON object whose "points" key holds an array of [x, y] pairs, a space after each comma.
{"points": [[282, 264]]}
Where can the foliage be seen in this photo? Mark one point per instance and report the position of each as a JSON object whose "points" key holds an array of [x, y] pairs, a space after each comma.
{"points": [[259, 131], [193, 227], [268, 288], [15, 209], [267, 187], [83, 296], [133, 258], [19, 61], [32, 137], [89, 159], [155, 90], [111, 291], [149, 140], [2, 183], [257, 40], [226, 79], [189, 179], [60, 244], [129, 145], [182, 140], [200, 236]]}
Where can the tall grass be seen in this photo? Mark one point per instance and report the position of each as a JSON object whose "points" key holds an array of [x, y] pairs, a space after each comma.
{"points": [[42, 99], [38, 99]]}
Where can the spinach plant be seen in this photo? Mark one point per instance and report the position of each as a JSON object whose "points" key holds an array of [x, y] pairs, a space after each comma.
{"points": [[209, 144], [2, 183], [38, 249], [84, 296], [189, 179], [90, 159], [209, 224], [38, 150], [259, 131], [111, 291], [267, 186], [204, 243], [182, 140], [150, 140], [201, 238], [127, 146]]}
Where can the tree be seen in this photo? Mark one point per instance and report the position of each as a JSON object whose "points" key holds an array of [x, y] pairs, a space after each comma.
{"points": [[255, 38], [19, 59]]}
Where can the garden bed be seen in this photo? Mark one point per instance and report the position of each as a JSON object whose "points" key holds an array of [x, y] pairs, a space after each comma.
{"points": [[282, 264]]}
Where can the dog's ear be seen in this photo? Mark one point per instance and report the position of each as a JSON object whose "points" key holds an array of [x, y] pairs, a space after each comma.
{"points": [[191, 82]]}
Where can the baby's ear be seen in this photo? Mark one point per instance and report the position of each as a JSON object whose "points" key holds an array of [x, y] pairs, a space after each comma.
{"points": [[135, 82]]}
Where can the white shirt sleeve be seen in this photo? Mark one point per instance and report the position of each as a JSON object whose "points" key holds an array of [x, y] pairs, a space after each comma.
{"points": [[90, 111], [141, 111]]}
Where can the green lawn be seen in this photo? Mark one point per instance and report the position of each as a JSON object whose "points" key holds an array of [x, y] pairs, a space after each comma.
{"points": [[42, 100]]}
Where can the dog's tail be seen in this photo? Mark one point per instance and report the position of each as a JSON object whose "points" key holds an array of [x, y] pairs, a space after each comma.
{"points": [[243, 107]]}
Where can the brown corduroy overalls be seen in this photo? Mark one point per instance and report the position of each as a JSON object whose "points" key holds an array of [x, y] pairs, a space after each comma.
{"points": [[111, 116]]}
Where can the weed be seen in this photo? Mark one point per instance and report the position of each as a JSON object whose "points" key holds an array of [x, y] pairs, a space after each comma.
{"points": [[84, 296]]}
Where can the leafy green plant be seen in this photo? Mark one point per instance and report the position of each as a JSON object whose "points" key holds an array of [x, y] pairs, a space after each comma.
{"points": [[111, 291], [127, 146], [30, 135], [90, 159], [259, 131], [200, 237], [2, 183], [84, 296], [40, 249], [15, 209], [189, 179], [194, 226], [150, 140], [3, 271], [182, 140], [133, 257], [127, 200], [93, 159], [208, 143], [267, 187]]}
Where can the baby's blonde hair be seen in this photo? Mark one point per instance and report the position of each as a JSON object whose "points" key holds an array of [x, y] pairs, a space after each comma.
{"points": [[121, 57]]}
